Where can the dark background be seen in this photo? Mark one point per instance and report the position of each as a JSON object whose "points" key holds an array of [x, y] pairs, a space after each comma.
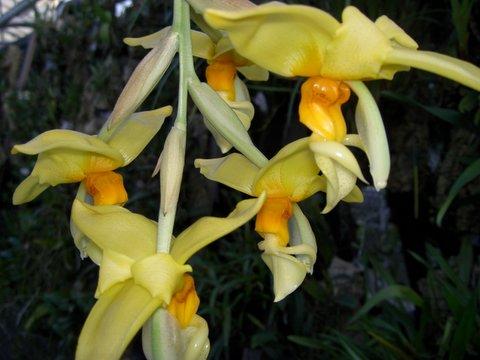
{"points": [[79, 67]]}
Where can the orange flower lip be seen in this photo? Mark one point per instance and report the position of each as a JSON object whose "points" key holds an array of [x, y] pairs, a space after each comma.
{"points": [[320, 107], [106, 188], [221, 74], [273, 218], [184, 304]]}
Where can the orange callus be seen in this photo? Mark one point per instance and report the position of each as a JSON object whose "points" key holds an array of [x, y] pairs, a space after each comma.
{"points": [[184, 304], [221, 74], [106, 188], [273, 218], [320, 107]]}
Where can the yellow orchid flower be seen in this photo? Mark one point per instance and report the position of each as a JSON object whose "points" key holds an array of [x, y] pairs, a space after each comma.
{"points": [[288, 178], [134, 281], [221, 75], [66, 156], [320, 110], [309, 42]]}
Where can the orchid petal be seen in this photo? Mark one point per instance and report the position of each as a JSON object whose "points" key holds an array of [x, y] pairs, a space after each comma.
{"points": [[202, 46], [28, 190], [395, 32], [142, 127], [114, 320], [212, 33], [346, 183], [292, 173], [355, 196], [329, 170], [234, 170], [242, 95], [301, 233], [231, 5], [354, 140], [288, 273], [357, 50], [64, 156], [208, 229], [254, 72], [160, 275], [116, 229], [454, 69], [114, 268], [61, 166], [67, 140], [264, 30], [338, 152], [150, 41], [372, 131]]}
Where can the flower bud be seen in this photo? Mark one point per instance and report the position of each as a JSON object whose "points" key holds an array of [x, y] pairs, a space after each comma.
{"points": [[145, 77], [170, 165]]}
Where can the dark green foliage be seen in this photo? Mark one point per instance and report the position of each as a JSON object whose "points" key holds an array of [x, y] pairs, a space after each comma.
{"points": [[407, 289]]}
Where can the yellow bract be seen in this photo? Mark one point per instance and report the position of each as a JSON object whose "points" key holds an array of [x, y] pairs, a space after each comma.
{"points": [[221, 76]]}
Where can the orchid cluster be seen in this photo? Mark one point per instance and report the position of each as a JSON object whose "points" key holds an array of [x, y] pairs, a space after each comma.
{"points": [[144, 279]]}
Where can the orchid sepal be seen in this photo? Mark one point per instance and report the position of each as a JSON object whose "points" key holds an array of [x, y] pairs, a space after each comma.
{"points": [[288, 271], [356, 49], [67, 156], [134, 277]]}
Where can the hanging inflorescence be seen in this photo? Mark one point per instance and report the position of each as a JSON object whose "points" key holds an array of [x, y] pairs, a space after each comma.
{"points": [[144, 280]]}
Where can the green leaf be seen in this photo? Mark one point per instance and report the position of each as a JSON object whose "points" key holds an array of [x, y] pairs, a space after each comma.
{"points": [[469, 174], [391, 292], [464, 331], [255, 321], [445, 341], [435, 255], [262, 338], [306, 341], [465, 260], [469, 102], [349, 346], [389, 346]]}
